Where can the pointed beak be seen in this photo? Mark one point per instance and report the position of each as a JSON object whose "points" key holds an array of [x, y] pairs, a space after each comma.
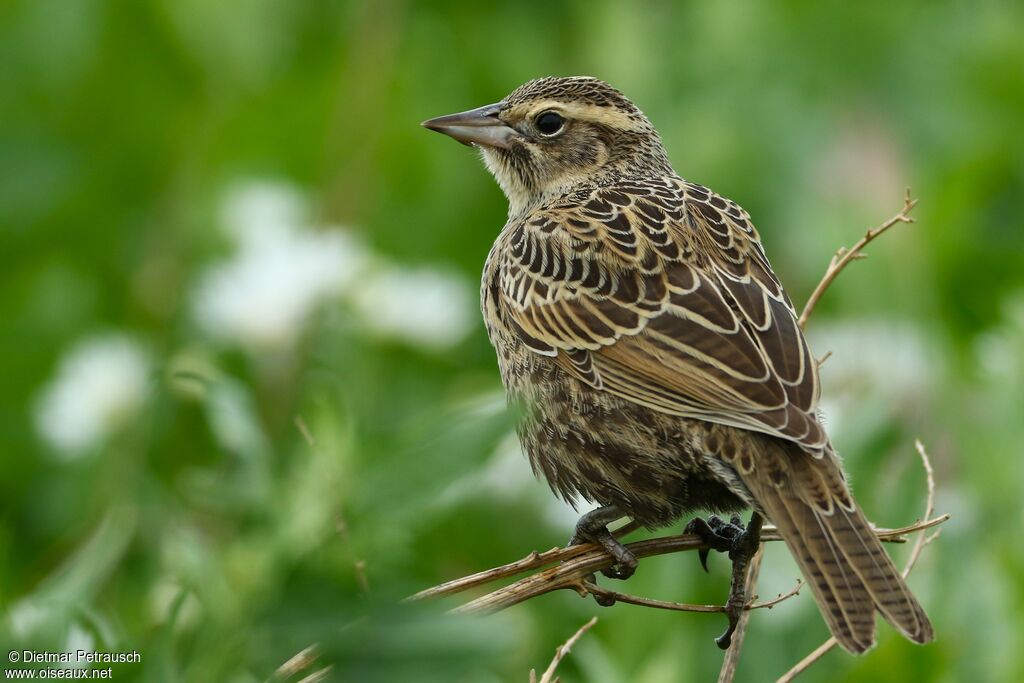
{"points": [[479, 126]]}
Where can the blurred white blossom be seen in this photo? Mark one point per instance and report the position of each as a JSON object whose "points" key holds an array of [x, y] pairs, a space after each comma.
{"points": [[78, 639], [24, 617], [100, 385], [258, 210], [263, 296], [422, 306]]}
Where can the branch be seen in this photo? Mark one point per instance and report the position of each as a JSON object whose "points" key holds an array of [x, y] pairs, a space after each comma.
{"points": [[844, 256], [609, 597], [534, 560], [560, 653], [298, 664], [576, 563], [732, 656], [922, 541]]}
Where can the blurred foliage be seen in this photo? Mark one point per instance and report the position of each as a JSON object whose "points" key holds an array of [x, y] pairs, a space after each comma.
{"points": [[203, 531]]}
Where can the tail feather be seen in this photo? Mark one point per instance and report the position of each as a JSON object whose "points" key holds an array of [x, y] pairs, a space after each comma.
{"points": [[889, 591], [840, 594], [849, 572]]}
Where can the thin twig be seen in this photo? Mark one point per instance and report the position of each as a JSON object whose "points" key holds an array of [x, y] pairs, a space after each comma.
{"points": [[844, 256], [317, 676], [732, 656], [590, 588], [534, 560], [922, 541], [560, 653], [299, 663], [802, 665], [929, 508]]}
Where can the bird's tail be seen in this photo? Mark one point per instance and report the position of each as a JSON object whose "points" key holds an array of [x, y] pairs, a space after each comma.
{"points": [[848, 570]]}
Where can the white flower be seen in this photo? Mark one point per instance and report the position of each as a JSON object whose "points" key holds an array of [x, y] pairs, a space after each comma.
{"points": [[263, 296], [100, 385], [258, 210], [78, 639], [426, 307]]}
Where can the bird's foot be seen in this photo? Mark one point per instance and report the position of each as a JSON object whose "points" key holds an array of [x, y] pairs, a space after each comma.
{"points": [[741, 543], [716, 533], [592, 528]]}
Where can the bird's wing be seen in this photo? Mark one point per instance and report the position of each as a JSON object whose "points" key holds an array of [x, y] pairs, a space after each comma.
{"points": [[659, 292]]}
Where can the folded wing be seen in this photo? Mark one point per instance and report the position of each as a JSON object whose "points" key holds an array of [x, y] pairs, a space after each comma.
{"points": [[659, 292]]}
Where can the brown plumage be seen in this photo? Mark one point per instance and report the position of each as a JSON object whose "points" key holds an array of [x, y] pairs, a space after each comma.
{"points": [[660, 363]]}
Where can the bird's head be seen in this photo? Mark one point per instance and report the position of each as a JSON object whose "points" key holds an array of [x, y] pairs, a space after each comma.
{"points": [[554, 134]]}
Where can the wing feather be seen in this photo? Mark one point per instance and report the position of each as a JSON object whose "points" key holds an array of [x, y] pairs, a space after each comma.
{"points": [[658, 291]]}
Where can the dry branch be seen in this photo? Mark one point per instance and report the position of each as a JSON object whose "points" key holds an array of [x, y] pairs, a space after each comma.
{"points": [[560, 653], [576, 563], [843, 257], [731, 659], [298, 664], [610, 597]]}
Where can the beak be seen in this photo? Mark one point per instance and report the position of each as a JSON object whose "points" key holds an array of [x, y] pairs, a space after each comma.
{"points": [[479, 126]]}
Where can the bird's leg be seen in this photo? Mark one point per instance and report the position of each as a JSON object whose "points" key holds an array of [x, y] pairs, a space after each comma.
{"points": [[744, 546], [593, 528]]}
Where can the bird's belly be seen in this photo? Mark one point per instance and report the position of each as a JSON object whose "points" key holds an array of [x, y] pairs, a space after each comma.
{"points": [[591, 444]]}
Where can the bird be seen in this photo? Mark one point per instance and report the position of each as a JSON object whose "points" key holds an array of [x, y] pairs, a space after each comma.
{"points": [[657, 361]]}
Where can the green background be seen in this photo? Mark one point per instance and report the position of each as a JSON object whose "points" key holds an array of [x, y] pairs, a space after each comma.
{"points": [[198, 526]]}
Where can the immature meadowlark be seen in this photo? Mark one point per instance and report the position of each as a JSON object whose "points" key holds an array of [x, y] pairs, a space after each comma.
{"points": [[637, 319]]}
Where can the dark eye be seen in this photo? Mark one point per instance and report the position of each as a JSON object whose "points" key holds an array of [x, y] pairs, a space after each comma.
{"points": [[549, 123]]}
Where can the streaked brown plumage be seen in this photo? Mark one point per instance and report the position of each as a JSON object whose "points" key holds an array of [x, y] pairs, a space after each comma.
{"points": [[637, 319]]}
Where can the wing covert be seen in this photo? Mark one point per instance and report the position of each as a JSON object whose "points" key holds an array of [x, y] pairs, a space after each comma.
{"points": [[658, 291]]}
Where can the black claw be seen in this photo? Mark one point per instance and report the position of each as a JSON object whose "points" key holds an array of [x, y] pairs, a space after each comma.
{"points": [[716, 533], [617, 573], [625, 562], [703, 555]]}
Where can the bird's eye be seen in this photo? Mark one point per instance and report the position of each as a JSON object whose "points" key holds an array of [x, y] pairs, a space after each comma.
{"points": [[549, 123]]}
